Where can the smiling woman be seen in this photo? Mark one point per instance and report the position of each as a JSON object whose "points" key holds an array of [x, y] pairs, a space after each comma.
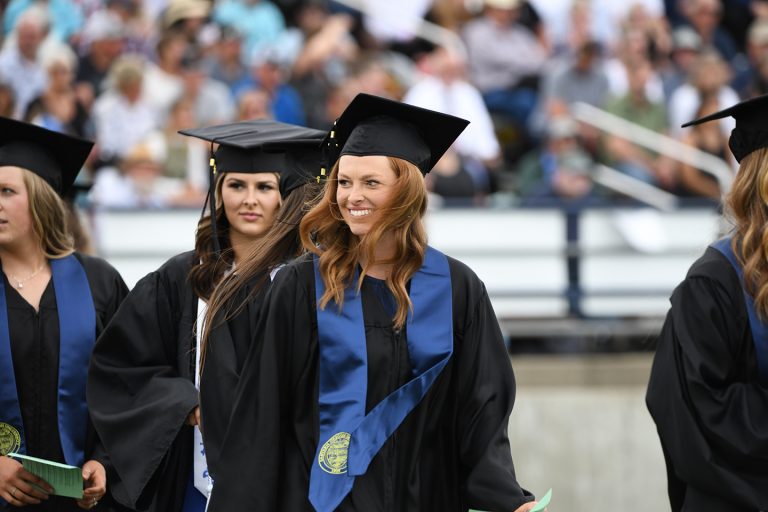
{"points": [[381, 381]]}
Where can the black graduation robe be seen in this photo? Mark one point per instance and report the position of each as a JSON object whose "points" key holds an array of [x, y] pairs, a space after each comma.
{"points": [[225, 354], [450, 453], [35, 352], [141, 389], [704, 395]]}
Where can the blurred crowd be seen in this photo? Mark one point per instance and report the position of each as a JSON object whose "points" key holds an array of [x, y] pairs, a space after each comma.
{"points": [[130, 73]]}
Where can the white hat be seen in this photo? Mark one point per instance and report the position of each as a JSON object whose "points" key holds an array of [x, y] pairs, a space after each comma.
{"points": [[503, 4]]}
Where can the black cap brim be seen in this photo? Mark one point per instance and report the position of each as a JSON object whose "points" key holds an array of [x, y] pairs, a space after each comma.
{"points": [[372, 125], [55, 157]]}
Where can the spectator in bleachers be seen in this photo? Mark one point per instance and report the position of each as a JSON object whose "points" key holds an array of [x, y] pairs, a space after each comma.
{"points": [[187, 17], [635, 106], [505, 60], [58, 107], [709, 76], [19, 66], [65, 16], [705, 16], [270, 74], [254, 104], [686, 46], [443, 88], [102, 42], [121, 115], [164, 80], [560, 170], [632, 46], [225, 63], [186, 157], [582, 78], [450, 180], [318, 50], [710, 138], [260, 22], [212, 99], [747, 81]]}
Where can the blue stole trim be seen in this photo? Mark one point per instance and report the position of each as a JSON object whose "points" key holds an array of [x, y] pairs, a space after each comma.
{"points": [[757, 326], [77, 327], [349, 439], [194, 501]]}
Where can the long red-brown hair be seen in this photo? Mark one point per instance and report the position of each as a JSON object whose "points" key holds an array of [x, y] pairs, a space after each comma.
{"points": [[324, 232], [747, 203]]}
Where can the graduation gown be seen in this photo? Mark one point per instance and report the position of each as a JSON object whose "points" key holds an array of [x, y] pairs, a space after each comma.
{"points": [[705, 397], [35, 352], [450, 453], [141, 389], [225, 354]]}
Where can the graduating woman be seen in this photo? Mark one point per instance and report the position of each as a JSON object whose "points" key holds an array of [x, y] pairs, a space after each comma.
{"points": [[53, 304], [708, 391], [381, 381], [142, 378], [235, 303]]}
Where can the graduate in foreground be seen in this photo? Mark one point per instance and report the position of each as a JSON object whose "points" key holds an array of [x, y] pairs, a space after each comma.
{"points": [[708, 391], [141, 384], [381, 381], [53, 304]]}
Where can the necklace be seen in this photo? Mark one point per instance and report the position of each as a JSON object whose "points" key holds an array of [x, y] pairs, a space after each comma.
{"points": [[20, 282]]}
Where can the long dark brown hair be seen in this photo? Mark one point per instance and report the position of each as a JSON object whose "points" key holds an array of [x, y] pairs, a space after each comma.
{"points": [[210, 266], [747, 203], [279, 245], [324, 232]]}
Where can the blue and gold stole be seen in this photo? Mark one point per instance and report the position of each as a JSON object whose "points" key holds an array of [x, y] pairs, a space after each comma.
{"points": [[757, 326], [77, 327], [349, 438]]}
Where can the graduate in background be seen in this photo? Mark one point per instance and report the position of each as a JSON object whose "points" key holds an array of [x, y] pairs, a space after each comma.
{"points": [[53, 304], [708, 390], [381, 381], [235, 303], [141, 384]]}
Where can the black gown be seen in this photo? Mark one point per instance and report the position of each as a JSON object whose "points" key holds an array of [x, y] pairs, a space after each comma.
{"points": [[141, 389], [450, 453], [35, 351], [705, 397], [225, 354]]}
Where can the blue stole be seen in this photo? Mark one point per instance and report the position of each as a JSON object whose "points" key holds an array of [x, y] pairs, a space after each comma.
{"points": [[757, 326], [349, 438], [77, 327]]}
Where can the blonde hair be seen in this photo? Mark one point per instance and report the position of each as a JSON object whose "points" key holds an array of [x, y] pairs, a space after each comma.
{"points": [[324, 232], [49, 217], [747, 203]]}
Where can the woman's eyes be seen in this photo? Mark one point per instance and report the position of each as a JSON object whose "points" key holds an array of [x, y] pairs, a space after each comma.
{"points": [[368, 183], [235, 185], [7, 191], [267, 186]]}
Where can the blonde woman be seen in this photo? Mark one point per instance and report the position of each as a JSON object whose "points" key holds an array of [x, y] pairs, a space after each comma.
{"points": [[53, 304], [708, 391], [381, 381]]}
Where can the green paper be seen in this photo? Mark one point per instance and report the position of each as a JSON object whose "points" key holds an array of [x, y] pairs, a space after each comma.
{"points": [[65, 480], [543, 502]]}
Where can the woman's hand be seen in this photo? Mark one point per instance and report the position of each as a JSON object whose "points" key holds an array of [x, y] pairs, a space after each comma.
{"points": [[528, 506], [194, 417], [17, 485], [95, 483]]}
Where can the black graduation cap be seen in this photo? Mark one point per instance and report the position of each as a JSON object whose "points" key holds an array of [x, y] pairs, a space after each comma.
{"points": [[750, 132], [254, 146], [372, 125], [54, 156]]}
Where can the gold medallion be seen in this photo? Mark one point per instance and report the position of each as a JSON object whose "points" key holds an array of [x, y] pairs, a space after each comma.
{"points": [[333, 454], [10, 439]]}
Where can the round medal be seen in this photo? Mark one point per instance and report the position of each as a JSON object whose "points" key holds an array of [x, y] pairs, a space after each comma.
{"points": [[10, 439], [333, 454]]}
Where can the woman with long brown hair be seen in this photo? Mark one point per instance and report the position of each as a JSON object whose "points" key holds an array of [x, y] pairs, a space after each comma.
{"points": [[381, 381], [142, 380], [708, 391], [53, 304]]}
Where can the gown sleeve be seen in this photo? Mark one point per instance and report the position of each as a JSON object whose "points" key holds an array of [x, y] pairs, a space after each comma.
{"points": [[138, 400], [705, 398], [487, 394], [255, 436]]}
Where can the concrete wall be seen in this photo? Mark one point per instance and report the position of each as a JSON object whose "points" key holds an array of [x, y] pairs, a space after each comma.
{"points": [[580, 426]]}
